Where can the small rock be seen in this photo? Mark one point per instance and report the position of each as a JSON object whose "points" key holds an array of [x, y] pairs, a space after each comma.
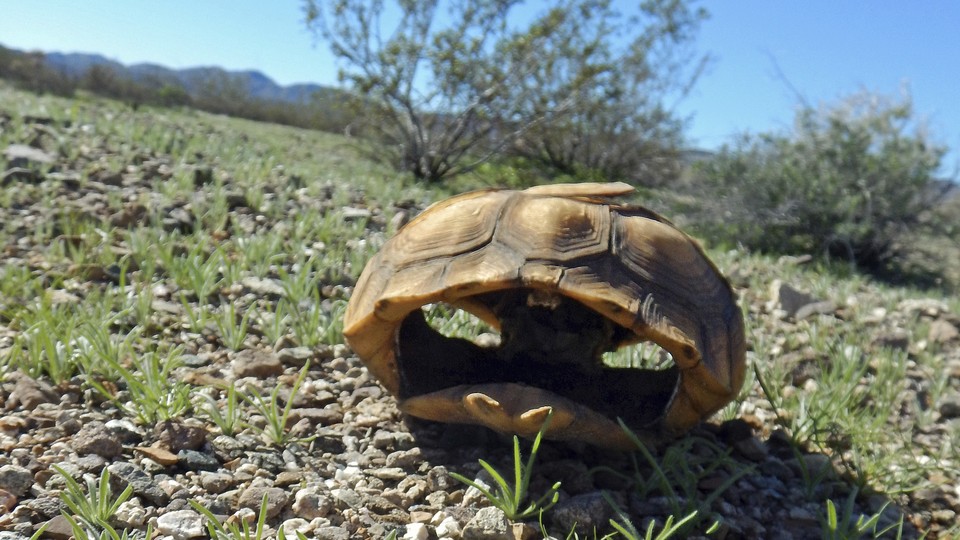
{"points": [[316, 416], [331, 533], [7, 501], [58, 528], [751, 448], [379, 505], [227, 448], [181, 524], [143, 485], [584, 512], [91, 463], [251, 498], [777, 469], [256, 363], [352, 214], [439, 479], [45, 507], [175, 435], [21, 155], [309, 504], [347, 498], [60, 297], [942, 331], [404, 458], [30, 393], [735, 430], [215, 482], [824, 307], [295, 356], [945, 516], [794, 303], [489, 524], [399, 219], [288, 478], [16, 480], [953, 368], [393, 474], [197, 461], [448, 528], [292, 526], [799, 513], [131, 513], [125, 430], [19, 174], [264, 286], [108, 178], [95, 438], [931, 497], [928, 307], [950, 406], [160, 455], [131, 214], [525, 531], [894, 338], [416, 531], [812, 466]]}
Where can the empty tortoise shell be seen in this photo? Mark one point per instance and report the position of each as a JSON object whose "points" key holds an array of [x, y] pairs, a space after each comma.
{"points": [[564, 274]]}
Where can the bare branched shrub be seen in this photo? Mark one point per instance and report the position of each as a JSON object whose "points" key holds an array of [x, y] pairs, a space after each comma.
{"points": [[444, 86]]}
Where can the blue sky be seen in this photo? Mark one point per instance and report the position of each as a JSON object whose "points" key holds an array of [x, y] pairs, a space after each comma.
{"points": [[825, 49]]}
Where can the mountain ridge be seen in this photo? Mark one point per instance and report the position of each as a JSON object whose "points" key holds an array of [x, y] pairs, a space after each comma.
{"points": [[257, 84]]}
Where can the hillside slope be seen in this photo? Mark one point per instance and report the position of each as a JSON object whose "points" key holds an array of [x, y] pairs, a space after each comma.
{"points": [[171, 279]]}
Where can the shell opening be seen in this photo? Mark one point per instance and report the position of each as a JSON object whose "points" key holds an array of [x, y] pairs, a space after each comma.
{"points": [[643, 355], [552, 343]]}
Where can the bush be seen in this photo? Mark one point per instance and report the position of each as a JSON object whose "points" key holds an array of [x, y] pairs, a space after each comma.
{"points": [[850, 181]]}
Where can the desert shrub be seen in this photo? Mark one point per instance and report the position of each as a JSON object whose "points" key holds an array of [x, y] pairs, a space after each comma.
{"points": [[579, 90], [849, 181]]}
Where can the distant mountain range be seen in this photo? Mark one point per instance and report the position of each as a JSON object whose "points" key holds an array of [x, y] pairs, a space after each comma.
{"points": [[256, 83]]}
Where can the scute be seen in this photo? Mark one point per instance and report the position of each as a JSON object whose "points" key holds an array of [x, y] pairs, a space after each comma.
{"points": [[455, 226], [623, 263], [549, 228]]}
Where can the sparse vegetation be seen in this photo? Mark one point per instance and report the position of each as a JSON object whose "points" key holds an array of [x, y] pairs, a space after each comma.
{"points": [[165, 245], [511, 495], [854, 181]]}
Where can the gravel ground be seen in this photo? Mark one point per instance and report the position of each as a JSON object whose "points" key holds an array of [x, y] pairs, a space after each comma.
{"points": [[361, 469]]}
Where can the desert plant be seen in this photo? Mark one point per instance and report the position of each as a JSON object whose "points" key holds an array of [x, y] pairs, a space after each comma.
{"points": [[677, 473], [511, 497], [154, 395], [849, 182], [227, 418], [92, 511], [444, 93], [233, 332], [276, 416], [845, 525], [231, 531], [47, 345]]}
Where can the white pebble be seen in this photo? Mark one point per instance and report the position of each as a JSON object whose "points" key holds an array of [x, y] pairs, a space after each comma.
{"points": [[292, 526], [181, 524], [416, 531], [448, 528], [131, 514]]}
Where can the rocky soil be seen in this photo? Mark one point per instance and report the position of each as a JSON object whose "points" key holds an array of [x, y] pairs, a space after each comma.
{"points": [[361, 470]]}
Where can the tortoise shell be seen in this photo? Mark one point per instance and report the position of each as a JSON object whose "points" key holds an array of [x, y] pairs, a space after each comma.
{"points": [[564, 274]]}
